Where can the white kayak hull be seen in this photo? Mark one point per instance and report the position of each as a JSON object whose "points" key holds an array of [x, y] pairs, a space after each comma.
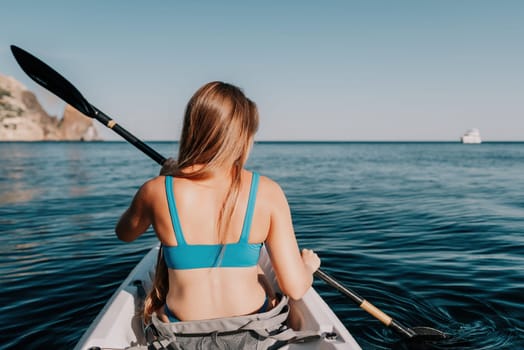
{"points": [[119, 324]]}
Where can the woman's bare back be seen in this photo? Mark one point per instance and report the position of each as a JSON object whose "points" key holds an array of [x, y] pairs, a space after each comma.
{"points": [[211, 292]]}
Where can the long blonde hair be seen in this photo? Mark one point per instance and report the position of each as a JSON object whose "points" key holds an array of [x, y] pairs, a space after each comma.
{"points": [[219, 125]]}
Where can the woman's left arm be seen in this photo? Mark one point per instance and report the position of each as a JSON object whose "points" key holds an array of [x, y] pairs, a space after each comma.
{"points": [[138, 217]]}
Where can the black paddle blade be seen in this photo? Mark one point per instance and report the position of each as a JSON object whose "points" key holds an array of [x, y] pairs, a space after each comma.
{"points": [[428, 333], [51, 80]]}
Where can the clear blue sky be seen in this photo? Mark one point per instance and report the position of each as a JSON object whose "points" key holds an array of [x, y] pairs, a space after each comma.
{"points": [[318, 70]]}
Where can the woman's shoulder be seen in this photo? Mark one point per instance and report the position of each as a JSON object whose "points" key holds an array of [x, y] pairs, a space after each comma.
{"points": [[270, 189], [267, 183], [153, 187], [155, 182]]}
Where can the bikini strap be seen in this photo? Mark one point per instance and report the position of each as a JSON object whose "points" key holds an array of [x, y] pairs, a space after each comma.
{"points": [[248, 218], [175, 220]]}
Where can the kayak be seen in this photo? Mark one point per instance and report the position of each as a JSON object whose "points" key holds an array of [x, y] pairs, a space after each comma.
{"points": [[119, 324]]}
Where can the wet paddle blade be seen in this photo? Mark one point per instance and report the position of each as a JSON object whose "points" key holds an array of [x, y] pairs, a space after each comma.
{"points": [[415, 333], [428, 333], [51, 80]]}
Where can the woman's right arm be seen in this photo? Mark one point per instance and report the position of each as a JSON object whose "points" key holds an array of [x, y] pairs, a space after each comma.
{"points": [[294, 271], [138, 217]]}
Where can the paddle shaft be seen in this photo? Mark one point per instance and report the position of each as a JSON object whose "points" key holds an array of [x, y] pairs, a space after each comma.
{"points": [[366, 305], [111, 124]]}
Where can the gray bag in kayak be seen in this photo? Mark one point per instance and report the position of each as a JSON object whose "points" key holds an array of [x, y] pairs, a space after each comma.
{"points": [[267, 330]]}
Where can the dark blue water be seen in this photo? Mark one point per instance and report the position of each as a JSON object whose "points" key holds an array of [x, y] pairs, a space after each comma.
{"points": [[431, 233]]}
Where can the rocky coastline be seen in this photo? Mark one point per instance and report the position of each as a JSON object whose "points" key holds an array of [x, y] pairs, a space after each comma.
{"points": [[22, 118]]}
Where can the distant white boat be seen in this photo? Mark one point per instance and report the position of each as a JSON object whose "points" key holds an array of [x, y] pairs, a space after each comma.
{"points": [[471, 136]]}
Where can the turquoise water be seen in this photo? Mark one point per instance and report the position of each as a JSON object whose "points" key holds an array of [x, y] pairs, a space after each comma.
{"points": [[432, 233]]}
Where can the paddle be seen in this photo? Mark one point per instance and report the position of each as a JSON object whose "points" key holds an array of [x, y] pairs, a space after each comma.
{"points": [[57, 84], [416, 333]]}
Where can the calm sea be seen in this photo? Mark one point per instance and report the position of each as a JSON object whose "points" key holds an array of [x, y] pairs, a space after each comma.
{"points": [[431, 233]]}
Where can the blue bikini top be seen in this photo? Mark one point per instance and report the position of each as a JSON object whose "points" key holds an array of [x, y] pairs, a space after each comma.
{"points": [[185, 256]]}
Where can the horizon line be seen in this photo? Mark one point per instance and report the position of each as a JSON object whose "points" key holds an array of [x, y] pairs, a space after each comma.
{"points": [[272, 141], [338, 141]]}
